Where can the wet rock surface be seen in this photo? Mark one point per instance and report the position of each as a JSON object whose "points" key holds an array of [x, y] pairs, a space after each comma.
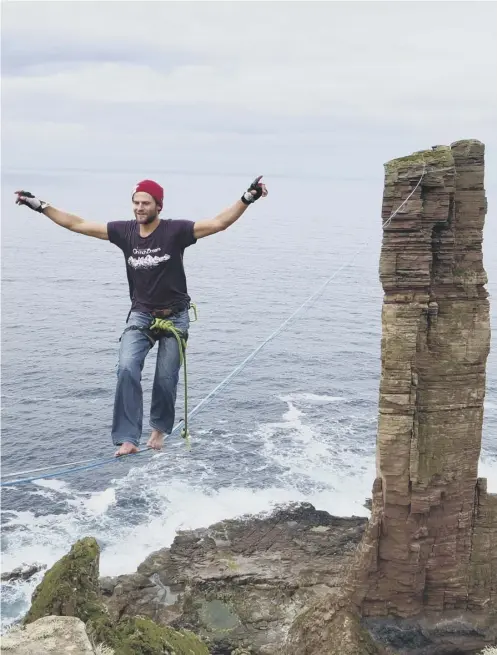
{"points": [[24, 572], [241, 582]]}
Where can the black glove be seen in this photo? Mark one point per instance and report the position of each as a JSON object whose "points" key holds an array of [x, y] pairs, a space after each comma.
{"points": [[255, 191], [28, 199]]}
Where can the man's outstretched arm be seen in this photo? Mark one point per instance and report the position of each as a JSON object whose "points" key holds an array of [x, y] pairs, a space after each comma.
{"points": [[228, 216], [64, 219]]}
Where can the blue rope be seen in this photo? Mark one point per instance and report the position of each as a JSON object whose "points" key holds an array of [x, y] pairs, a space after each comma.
{"points": [[228, 378], [50, 467], [56, 474]]}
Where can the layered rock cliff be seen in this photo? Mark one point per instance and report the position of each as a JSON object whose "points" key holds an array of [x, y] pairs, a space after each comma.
{"points": [[437, 538], [425, 574]]}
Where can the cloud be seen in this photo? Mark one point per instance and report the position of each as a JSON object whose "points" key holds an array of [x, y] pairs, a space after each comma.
{"points": [[194, 76], [367, 91]]}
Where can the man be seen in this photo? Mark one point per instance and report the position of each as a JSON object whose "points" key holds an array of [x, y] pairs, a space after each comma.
{"points": [[153, 249]]}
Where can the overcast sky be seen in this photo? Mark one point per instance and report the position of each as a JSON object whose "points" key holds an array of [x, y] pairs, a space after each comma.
{"points": [[314, 88]]}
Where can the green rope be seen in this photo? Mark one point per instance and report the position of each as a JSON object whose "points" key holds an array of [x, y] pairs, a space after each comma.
{"points": [[163, 325]]}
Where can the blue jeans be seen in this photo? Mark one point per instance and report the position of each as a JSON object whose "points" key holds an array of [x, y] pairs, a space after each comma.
{"points": [[128, 404]]}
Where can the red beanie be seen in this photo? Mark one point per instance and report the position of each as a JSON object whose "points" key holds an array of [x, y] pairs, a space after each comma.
{"points": [[151, 187]]}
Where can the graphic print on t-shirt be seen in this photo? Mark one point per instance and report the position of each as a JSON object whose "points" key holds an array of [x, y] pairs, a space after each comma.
{"points": [[147, 259]]}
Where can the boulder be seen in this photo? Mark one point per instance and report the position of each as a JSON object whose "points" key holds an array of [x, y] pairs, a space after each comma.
{"points": [[23, 572], [50, 635], [331, 627]]}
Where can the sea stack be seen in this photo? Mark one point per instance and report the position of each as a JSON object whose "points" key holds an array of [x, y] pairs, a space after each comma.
{"points": [[436, 524], [424, 576]]}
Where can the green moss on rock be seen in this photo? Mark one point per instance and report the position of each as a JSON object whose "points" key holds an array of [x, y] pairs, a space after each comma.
{"points": [[141, 635], [70, 587], [438, 157]]}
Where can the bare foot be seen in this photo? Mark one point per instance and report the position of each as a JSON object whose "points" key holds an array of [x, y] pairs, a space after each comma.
{"points": [[127, 448], [156, 440]]}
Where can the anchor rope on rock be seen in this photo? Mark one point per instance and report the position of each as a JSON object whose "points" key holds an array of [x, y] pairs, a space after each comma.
{"points": [[84, 465]]}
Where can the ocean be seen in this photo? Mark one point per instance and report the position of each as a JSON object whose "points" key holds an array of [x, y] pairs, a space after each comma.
{"points": [[298, 423]]}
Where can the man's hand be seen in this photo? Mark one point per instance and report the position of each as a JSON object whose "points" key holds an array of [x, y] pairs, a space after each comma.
{"points": [[64, 219], [254, 192], [227, 217], [28, 199]]}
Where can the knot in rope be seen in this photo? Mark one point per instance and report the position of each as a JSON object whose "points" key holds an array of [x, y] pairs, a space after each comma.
{"points": [[164, 325]]}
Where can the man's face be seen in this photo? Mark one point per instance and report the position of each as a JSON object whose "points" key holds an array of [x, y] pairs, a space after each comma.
{"points": [[145, 208]]}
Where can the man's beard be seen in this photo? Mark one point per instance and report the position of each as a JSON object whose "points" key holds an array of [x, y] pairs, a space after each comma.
{"points": [[148, 219]]}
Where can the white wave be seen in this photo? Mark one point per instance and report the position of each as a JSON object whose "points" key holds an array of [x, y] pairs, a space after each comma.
{"points": [[54, 484], [313, 398], [186, 508], [94, 504], [326, 457]]}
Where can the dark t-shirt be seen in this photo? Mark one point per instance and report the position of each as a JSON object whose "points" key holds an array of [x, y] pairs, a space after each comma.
{"points": [[154, 264]]}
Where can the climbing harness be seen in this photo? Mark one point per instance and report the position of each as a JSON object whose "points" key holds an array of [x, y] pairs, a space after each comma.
{"points": [[161, 328], [90, 464]]}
